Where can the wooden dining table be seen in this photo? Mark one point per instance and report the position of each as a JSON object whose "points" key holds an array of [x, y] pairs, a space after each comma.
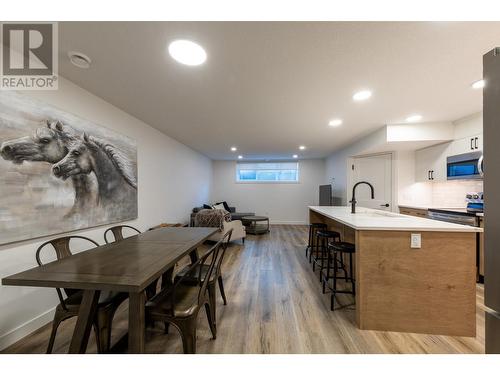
{"points": [[130, 266]]}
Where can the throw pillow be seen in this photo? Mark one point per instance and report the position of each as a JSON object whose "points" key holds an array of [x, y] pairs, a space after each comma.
{"points": [[219, 207], [226, 206]]}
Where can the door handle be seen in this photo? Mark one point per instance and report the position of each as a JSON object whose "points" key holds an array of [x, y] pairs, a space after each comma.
{"points": [[475, 143], [384, 205], [472, 143]]}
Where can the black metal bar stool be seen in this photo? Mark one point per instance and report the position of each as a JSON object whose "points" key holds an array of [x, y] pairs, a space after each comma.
{"points": [[338, 249], [312, 243], [324, 239]]}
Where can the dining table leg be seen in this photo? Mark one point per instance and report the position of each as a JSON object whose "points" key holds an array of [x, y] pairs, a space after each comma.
{"points": [[84, 322], [136, 322]]}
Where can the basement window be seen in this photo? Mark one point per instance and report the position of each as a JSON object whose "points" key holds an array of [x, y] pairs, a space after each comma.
{"points": [[268, 172]]}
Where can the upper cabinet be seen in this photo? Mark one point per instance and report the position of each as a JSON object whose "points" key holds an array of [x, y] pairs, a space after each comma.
{"points": [[430, 162], [467, 144]]}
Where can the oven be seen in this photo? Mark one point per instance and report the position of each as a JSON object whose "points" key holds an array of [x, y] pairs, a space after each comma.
{"points": [[467, 166]]}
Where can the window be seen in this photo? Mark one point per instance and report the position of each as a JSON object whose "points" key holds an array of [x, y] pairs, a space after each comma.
{"points": [[267, 172]]}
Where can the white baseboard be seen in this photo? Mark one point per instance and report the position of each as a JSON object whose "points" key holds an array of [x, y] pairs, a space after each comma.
{"points": [[25, 329]]}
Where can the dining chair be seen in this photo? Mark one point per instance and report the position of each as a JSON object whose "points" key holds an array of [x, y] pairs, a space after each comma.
{"points": [[180, 304], [191, 277], [118, 232], [69, 306]]}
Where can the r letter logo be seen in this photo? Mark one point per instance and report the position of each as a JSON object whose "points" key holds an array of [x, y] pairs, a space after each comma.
{"points": [[28, 56]]}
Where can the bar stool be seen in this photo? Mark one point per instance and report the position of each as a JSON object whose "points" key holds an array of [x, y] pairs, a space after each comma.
{"points": [[313, 227], [334, 249], [324, 239]]}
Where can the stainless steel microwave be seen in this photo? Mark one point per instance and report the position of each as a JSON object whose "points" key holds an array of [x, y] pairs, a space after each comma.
{"points": [[467, 166]]}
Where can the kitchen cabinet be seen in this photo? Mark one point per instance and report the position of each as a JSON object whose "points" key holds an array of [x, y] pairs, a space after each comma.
{"points": [[418, 212], [430, 162], [467, 144]]}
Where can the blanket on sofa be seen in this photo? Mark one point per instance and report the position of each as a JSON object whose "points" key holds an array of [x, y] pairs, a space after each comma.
{"points": [[212, 218]]}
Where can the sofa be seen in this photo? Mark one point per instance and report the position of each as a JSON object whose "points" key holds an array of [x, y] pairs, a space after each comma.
{"points": [[235, 224], [232, 210]]}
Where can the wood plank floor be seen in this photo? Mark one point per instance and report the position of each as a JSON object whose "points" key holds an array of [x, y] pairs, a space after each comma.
{"points": [[276, 306]]}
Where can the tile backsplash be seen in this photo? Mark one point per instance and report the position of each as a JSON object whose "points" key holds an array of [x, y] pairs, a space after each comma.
{"points": [[440, 194], [452, 193]]}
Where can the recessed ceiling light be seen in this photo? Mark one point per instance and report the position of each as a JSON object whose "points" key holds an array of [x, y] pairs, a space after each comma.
{"points": [[79, 59], [240, 157], [295, 156], [335, 122], [187, 52], [302, 147], [233, 149], [362, 95], [413, 118], [478, 84]]}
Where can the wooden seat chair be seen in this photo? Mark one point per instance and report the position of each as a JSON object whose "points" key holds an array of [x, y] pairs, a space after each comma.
{"points": [[180, 304], [68, 307], [118, 232], [191, 276]]}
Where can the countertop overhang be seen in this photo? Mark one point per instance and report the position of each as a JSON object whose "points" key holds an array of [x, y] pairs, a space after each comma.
{"points": [[371, 219]]}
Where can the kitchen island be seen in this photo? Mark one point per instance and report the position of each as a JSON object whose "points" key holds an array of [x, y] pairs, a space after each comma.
{"points": [[430, 289]]}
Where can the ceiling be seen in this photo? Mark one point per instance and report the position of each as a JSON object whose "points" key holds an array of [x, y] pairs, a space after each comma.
{"points": [[268, 87]]}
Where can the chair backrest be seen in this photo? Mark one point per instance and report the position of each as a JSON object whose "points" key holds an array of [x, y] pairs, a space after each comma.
{"points": [[62, 249], [218, 253], [225, 243], [118, 232]]}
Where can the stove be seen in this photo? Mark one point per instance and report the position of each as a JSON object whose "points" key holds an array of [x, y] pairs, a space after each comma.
{"points": [[464, 216]]}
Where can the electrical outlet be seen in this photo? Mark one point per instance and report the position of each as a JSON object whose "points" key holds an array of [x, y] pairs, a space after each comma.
{"points": [[416, 241]]}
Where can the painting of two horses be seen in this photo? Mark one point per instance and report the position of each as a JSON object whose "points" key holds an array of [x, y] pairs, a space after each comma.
{"points": [[59, 172]]}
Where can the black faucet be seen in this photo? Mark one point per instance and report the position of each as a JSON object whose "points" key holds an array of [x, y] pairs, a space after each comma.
{"points": [[353, 201]]}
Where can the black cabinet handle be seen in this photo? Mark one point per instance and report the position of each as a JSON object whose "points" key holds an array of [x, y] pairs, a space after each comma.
{"points": [[475, 143], [384, 205], [428, 175], [472, 143], [432, 175]]}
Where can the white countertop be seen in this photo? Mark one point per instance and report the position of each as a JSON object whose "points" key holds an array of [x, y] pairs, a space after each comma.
{"points": [[370, 219]]}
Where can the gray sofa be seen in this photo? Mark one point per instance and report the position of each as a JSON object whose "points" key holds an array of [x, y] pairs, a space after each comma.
{"points": [[232, 210]]}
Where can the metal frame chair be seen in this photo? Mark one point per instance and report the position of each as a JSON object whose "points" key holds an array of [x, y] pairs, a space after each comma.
{"points": [[118, 232], [68, 307], [162, 307]]}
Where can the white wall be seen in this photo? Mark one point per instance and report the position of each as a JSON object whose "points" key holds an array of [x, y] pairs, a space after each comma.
{"points": [[284, 203], [172, 180]]}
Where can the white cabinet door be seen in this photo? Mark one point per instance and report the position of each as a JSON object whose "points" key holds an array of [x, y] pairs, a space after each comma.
{"points": [[430, 163], [478, 142], [467, 144], [438, 167], [422, 165], [462, 145]]}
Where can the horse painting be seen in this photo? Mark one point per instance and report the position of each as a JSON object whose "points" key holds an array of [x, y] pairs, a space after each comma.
{"points": [[59, 172], [50, 144], [115, 179]]}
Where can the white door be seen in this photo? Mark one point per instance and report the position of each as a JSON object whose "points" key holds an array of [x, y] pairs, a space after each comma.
{"points": [[377, 170]]}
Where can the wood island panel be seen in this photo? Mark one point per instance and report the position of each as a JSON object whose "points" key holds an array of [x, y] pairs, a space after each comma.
{"points": [[428, 290]]}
